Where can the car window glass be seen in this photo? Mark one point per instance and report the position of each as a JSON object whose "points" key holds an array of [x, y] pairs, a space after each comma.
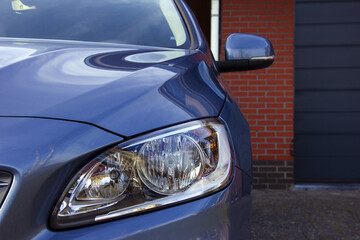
{"points": [[142, 22]]}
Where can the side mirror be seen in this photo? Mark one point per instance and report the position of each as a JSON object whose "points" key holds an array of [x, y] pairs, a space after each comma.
{"points": [[246, 52]]}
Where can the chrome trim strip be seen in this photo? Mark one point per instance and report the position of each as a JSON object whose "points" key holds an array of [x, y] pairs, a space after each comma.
{"points": [[263, 58], [9, 191], [6, 180]]}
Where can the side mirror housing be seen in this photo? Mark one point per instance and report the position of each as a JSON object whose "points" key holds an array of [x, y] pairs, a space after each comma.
{"points": [[246, 52]]}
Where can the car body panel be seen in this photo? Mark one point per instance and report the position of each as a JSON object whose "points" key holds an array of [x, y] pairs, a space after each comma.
{"points": [[110, 87], [65, 102], [240, 136], [42, 155]]}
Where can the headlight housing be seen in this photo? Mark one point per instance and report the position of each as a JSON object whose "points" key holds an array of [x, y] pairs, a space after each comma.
{"points": [[155, 170]]}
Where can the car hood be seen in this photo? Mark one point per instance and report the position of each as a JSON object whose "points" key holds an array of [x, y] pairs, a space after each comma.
{"points": [[124, 89]]}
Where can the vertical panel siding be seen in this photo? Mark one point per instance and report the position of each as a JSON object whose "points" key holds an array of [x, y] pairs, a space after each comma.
{"points": [[327, 91]]}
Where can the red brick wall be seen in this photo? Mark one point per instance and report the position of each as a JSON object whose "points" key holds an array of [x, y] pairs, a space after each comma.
{"points": [[265, 96]]}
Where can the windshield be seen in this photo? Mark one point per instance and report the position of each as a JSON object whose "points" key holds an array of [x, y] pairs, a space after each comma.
{"points": [[140, 22]]}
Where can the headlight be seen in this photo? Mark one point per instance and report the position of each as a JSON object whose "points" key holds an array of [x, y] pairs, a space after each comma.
{"points": [[165, 167]]}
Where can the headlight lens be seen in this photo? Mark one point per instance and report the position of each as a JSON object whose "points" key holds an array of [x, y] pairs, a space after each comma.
{"points": [[170, 164], [161, 168]]}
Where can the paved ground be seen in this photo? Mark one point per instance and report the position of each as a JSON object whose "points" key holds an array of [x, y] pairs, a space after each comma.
{"points": [[301, 214]]}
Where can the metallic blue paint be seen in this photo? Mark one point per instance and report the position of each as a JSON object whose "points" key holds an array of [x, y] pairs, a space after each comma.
{"points": [[240, 135], [63, 102], [51, 79], [42, 155]]}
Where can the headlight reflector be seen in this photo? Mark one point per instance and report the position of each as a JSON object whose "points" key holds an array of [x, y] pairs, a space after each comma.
{"points": [[99, 184]]}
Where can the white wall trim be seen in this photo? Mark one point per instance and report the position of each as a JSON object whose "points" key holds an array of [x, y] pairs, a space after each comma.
{"points": [[214, 28]]}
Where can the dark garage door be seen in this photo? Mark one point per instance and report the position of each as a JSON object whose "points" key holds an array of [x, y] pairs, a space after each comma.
{"points": [[327, 91]]}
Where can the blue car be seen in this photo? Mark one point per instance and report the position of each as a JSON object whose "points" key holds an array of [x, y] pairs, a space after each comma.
{"points": [[114, 125]]}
